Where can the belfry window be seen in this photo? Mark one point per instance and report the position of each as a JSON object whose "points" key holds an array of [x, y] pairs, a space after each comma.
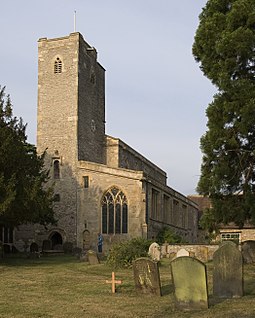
{"points": [[56, 169], [114, 212], [58, 66]]}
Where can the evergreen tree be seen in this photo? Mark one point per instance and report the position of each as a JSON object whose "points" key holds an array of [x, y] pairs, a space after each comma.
{"points": [[23, 198], [225, 48]]}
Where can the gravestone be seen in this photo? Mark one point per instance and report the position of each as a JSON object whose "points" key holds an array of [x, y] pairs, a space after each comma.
{"points": [[92, 257], [182, 252], [229, 242], [190, 283], [113, 282], [155, 252], [248, 252], [146, 276], [228, 271]]}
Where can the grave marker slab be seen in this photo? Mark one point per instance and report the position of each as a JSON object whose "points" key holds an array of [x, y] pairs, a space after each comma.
{"points": [[190, 283], [228, 271], [182, 252], [92, 257], [155, 251], [248, 251], [146, 276]]}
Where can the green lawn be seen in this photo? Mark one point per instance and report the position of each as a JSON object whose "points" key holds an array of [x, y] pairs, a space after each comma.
{"points": [[62, 286]]}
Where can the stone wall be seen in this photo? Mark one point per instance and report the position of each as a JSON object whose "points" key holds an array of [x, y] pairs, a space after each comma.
{"points": [[202, 252]]}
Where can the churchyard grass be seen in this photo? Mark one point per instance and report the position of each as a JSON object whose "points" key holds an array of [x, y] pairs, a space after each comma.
{"points": [[62, 286]]}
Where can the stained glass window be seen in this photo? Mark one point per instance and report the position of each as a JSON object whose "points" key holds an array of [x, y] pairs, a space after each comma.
{"points": [[114, 212]]}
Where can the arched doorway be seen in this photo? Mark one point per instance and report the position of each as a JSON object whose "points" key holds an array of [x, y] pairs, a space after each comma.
{"points": [[86, 240], [56, 240]]}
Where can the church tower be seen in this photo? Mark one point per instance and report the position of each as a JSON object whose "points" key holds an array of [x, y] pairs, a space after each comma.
{"points": [[71, 99], [71, 117]]}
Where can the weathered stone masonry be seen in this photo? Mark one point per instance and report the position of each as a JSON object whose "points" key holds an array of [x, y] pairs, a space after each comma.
{"points": [[102, 184]]}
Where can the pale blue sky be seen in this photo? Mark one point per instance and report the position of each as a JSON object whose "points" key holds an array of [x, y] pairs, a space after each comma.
{"points": [[156, 95]]}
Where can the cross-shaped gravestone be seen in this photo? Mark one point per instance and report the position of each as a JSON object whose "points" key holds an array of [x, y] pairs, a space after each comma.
{"points": [[113, 282]]}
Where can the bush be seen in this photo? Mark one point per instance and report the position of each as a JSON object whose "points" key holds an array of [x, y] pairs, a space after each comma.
{"points": [[122, 254], [167, 235]]}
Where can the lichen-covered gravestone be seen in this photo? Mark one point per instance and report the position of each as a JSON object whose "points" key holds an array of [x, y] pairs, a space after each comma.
{"points": [[228, 271], [92, 257], [155, 251], [190, 283], [146, 276], [248, 251], [182, 252]]}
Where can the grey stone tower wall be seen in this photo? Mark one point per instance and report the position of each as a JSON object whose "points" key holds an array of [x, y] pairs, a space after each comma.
{"points": [[91, 105], [57, 123], [71, 118]]}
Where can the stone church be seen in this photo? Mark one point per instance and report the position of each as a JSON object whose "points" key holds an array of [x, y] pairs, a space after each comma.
{"points": [[101, 184]]}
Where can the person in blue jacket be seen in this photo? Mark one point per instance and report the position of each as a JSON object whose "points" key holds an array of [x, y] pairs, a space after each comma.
{"points": [[100, 243]]}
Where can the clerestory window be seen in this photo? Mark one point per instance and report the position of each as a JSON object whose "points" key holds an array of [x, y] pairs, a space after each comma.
{"points": [[114, 212], [58, 66]]}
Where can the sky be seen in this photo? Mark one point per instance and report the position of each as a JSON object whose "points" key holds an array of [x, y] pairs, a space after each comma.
{"points": [[156, 94]]}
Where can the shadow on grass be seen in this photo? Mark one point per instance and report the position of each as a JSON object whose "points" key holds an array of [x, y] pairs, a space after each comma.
{"points": [[24, 260], [167, 289], [249, 287]]}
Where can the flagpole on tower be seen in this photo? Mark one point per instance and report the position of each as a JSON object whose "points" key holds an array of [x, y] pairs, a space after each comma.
{"points": [[74, 20]]}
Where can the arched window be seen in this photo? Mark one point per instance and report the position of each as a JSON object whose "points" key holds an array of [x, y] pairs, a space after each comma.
{"points": [[58, 66], [114, 212], [56, 168]]}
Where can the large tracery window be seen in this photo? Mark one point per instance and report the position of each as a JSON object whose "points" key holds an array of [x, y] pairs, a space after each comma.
{"points": [[114, 212]]}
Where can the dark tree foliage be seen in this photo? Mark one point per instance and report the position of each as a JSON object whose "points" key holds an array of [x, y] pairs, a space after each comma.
{"points": [[23, 198], [225, 48]]}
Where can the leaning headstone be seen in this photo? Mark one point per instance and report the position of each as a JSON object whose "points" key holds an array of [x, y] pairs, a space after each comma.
{"points": [[155, 252], [248, 251], [228, 271], [190, 283], [182, 252], [146, 276], [92, 257]]}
